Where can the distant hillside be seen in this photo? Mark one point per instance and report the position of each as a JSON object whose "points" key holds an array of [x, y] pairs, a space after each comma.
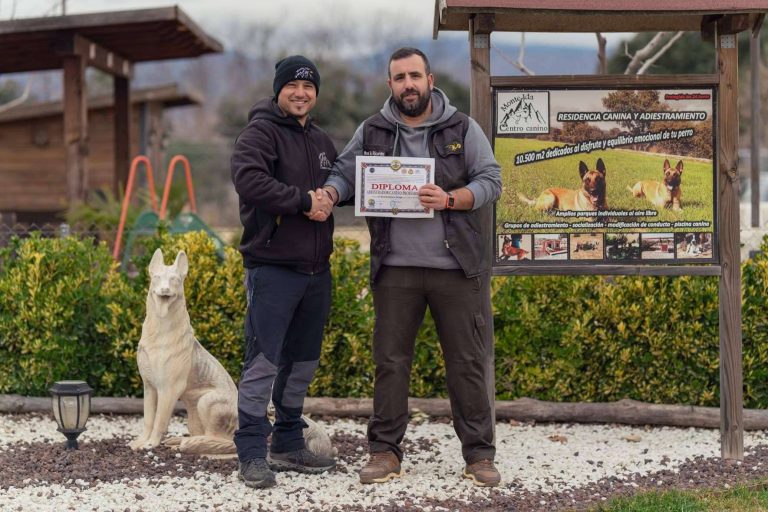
{"points": [[232, 72]]}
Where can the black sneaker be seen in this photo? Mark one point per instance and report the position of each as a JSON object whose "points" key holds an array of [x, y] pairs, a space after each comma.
{"points": [[302, 461], [256, 473]]}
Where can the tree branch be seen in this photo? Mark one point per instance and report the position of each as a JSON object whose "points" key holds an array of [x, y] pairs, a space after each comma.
{"points": [[17, 101], [658, 54], [602, 63], [518, 64], [644, 53]]}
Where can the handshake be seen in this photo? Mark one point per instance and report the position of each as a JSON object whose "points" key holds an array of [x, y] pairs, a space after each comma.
{"points": [[323, 200]]}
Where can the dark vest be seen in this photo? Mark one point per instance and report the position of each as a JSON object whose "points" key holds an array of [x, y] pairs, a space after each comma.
{"points": [[467, 231]]}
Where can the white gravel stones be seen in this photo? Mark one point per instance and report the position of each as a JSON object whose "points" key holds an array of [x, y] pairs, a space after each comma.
{"points": [[549, 457]]}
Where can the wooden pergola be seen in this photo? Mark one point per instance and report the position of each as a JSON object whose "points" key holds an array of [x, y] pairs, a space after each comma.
{"points": [[111, 42], [717, 21]]}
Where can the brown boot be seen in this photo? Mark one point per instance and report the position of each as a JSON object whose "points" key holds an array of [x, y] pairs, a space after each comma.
{"points": [[483, 473], [381, 467]]}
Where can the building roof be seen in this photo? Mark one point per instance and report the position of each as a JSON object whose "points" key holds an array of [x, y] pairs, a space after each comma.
{"points": [[139, 35], [170, 95], [592, 16]]}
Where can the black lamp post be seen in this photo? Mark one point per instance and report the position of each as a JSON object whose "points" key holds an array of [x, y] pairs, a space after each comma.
{"points": [[71, 406]]}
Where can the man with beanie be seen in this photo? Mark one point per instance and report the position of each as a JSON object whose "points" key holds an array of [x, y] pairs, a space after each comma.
{"points": [[279, 159], [441, 262]]}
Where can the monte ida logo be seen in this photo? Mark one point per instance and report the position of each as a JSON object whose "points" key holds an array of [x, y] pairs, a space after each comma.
{"points": [[522, 112]]}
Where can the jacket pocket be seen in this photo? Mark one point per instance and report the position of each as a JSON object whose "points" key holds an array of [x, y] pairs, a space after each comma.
{"points": [[274, 226]]}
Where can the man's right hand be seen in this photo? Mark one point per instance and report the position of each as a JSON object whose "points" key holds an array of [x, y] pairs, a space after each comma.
{"points": [[322, 205]]}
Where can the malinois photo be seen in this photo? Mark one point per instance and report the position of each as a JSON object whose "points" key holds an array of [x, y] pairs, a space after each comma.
{"points": [[590, 197], [664, 194]]}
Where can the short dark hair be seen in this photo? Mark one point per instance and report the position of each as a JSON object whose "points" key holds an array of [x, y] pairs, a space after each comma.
{"points": [[402, 53]]}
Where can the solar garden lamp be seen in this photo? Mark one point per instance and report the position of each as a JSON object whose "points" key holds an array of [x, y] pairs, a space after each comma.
{"points": [[71, 402]]}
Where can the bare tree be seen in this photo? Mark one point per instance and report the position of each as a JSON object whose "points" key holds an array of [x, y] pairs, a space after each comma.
{"points": [[650, 53], [602, 62], [519, 64]]}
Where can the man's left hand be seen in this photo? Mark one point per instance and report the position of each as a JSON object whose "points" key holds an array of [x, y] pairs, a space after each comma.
{"points": [[432, 196]]}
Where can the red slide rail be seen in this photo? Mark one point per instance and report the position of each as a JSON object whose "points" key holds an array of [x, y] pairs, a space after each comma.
{"points": [[169, 178], [127, 199]]}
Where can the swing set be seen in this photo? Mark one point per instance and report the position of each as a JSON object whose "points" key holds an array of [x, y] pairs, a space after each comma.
{"points": [[148, 221]]}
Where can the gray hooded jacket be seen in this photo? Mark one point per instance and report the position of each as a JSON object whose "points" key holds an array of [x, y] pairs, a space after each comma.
{"points": [[421, 242]]}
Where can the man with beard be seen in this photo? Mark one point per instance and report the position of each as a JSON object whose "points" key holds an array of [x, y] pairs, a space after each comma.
{"points": [[441, 262]]}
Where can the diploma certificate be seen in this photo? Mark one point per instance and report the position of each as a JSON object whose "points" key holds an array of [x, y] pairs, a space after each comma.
{"points": [[389, 186]]}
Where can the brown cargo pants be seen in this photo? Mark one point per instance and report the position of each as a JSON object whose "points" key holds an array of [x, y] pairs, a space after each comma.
{"points": [[461, 309]]}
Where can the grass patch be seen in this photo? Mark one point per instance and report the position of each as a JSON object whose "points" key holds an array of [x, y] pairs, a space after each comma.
{"points": [[624, 169], [752, 498]]}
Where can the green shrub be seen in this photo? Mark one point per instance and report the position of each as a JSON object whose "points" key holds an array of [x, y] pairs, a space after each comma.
{"points": [[50, 299], [67, 312]]}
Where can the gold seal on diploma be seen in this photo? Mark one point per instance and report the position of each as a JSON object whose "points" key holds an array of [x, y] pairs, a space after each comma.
{"points": [[395, 165]]}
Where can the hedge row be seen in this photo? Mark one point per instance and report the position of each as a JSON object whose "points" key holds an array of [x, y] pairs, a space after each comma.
{"points": [[67, 312]]}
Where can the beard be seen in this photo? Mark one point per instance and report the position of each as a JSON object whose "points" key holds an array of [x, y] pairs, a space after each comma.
{"points": [[412, 109]]}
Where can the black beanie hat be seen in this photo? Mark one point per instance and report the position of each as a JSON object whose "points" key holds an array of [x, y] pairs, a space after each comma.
{"points": [[295, 67]]}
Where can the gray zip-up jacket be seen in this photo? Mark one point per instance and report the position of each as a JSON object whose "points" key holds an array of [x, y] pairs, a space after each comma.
{"points": [[423, 242]]}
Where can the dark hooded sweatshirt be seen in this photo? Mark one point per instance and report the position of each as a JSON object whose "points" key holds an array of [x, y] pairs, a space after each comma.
{"points": [[276, 161]]}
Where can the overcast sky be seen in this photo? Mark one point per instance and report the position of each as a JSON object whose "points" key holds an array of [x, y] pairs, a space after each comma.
{"points": [[217, 16]]}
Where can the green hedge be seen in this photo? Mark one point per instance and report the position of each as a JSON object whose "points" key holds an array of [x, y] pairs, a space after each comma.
{"points": [[67, 312]]}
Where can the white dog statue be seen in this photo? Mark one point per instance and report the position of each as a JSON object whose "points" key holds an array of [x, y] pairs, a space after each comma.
{"points": [[174, 366]]}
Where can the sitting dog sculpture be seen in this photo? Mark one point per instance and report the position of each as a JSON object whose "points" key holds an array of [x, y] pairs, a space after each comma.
{"points": [[175, 366]]}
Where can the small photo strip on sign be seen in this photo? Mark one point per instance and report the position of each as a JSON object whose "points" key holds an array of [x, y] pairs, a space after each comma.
{"points": [[657, 246], [548, 247], [693, 245], [622, 246], [514, 247], [587, 246]]}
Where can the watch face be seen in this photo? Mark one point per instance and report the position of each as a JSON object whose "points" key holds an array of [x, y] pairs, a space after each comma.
{"points": [[450, 201]]}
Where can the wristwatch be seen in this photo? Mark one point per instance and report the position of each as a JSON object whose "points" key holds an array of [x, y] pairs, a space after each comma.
{"points": [[449, 201]]}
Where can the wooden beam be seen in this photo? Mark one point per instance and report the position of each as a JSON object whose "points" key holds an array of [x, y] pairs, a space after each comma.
{"points": [[480, 28], [755, 122], [75, 127], [155, 134], [122, 132], [95, 55], [731, 378], [607, 270], [481, 104], [628, 412], [606, 80], [734, 23]]}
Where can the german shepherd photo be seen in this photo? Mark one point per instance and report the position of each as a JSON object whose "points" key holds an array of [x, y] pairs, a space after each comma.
{"points": [[590, 197], [665, 194]]}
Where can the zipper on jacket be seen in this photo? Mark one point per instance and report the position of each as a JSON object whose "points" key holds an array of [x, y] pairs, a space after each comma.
{"points": [[313, 179]]}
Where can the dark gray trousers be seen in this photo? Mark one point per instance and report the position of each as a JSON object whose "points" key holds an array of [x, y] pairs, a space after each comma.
{"points": [[461, 308], [284, 326]]}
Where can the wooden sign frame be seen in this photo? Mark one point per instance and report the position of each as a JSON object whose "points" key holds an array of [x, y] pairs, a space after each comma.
{"points": [[552, 85], [723, 31]]}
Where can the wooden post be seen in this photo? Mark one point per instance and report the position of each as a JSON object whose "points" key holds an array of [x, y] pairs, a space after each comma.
{"points": [[480, 28], [731, 392], [754, 58], [155, 135], [122, 128], [75, 127]]}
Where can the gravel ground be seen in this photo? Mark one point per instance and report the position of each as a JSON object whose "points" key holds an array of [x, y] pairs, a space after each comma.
{"points": [[544, 467]]}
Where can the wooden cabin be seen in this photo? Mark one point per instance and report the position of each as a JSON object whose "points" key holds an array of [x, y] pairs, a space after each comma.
{"points": [[111, 42], [33, 155]]}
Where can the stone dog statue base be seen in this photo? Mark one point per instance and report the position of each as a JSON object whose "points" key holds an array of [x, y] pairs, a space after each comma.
{"points": [[175, 366]]}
